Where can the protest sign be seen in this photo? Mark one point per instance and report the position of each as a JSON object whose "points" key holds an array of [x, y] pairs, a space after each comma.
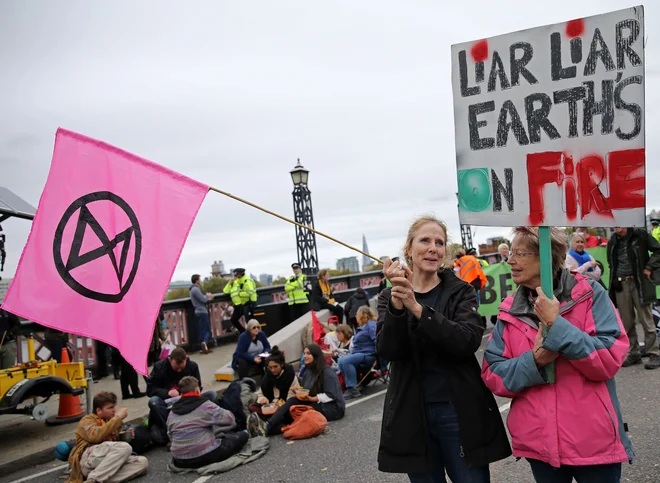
{"points": [[549, 124]]}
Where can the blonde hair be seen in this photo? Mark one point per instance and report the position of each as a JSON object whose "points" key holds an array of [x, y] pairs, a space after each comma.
{"points": [[412, 232], [558, 243], [252, 324], [322, 273], [364, 315]]}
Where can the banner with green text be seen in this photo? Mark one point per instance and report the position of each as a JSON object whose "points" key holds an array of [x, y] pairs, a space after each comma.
{"points": [[500, 284]]}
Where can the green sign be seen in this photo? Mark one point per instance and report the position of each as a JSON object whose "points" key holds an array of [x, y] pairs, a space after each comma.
{"points": [[500, 284]]}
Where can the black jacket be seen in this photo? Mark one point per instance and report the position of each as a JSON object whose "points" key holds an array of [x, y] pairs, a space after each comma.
{"points": [[282, 383], [9, 325], [354, 303], [317, 301], [455, 330], [163, 378], [640, 243]]}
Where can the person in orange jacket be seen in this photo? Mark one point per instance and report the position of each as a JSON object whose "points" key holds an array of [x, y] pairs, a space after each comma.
{"points": [[468, 269]]}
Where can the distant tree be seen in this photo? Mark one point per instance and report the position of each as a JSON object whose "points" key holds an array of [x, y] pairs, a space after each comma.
{"points": [[372, 267], [280, 280], [214, 285], [177, 293], [339, 273]]}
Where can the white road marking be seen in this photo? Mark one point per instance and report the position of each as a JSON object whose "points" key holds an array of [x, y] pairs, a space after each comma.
{"points": [[366, 398], [202, 479], [36, 475]]}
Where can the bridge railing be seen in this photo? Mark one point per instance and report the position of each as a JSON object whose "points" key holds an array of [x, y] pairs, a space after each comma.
{"points": [[272, 312]]}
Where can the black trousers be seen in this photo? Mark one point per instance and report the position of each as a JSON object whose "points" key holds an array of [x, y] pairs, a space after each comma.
{"points": [[128, 379], [297, 310], [337, 310], [240, 311], [231, 444], [244, 367]]}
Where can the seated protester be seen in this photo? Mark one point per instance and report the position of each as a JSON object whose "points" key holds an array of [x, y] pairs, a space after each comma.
{"points": [[97, 455], [324, 395], [251, 343], [355, 301], [363, 351], [339, 341], [323, 298], [201, 432], [163, 384], [280, 376]]}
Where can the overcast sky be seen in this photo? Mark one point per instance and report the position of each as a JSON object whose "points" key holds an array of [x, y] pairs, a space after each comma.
{"points": [[232, 92]]}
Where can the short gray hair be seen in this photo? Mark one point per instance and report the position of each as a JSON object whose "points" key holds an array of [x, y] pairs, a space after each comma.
{"points": [[502, 245], [559, 247], [577, 235]]}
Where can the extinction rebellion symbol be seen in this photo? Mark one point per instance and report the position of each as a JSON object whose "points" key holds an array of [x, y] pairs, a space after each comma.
{"points": [[115, 209]]}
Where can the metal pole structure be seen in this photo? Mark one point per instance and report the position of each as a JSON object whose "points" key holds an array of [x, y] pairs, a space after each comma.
{"points": [[466, 236], [303, 214], [89, 393]]}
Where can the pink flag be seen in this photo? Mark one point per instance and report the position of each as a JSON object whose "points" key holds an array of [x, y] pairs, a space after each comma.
{"points": [[105, 240]]}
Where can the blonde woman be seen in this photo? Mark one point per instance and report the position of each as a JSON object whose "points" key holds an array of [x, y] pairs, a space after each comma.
{"points": [[439, 416], [323, 298], [363, 351]]}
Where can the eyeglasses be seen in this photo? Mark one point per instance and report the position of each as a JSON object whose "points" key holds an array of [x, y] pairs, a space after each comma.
{"points": [[519, 254]]}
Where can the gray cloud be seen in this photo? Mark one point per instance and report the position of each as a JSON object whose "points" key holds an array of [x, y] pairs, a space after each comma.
{"points": [[231, 93]]}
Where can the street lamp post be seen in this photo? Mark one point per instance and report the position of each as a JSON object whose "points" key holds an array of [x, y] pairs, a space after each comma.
{"points": [[302, 211]]}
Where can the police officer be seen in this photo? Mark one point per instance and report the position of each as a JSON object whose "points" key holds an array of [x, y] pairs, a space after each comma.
{"points": [[655, 223], [297, 288], [243, 292]]}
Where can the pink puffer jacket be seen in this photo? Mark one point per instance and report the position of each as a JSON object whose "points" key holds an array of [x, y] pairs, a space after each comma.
{"points": [[576, 421]]}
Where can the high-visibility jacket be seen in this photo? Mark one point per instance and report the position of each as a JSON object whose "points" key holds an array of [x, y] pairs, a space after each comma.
{"points": [[296, 288], [484, 263], [656, 233], [242, 290], [469, 269]]}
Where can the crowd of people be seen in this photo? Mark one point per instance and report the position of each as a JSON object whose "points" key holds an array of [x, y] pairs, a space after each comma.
{"points": [[440, 413]]}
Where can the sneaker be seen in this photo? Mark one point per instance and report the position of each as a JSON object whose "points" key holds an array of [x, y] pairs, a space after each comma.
{"points": [[653, 363], [352, 393], [631, 361], [256, 426]]}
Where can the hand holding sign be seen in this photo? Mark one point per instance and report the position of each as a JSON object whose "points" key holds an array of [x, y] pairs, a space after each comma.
{"points": [[546, 309], [542, 357]]}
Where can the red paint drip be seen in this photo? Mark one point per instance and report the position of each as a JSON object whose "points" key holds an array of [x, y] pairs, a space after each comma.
{"points": [[570, 189], [479, 51], [575, 28]]}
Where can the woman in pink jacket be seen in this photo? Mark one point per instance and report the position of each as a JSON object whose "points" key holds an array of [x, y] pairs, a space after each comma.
{"points": [[572, 428]]}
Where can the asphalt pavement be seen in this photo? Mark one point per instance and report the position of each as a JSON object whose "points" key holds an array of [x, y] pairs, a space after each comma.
{"points": [[347, 451]]}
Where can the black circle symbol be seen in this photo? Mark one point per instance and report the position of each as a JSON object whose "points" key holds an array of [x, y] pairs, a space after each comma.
{"points": [[86, 219]]}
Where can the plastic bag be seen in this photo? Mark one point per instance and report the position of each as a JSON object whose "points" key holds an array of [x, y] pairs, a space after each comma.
{"points": [[166, 349]]}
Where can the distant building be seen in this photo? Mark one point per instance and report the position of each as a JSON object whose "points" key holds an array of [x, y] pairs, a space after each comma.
{"points": [[365, 248], [349, 263], [4, 285], [217, 269], [266, 279], [174, 285]]}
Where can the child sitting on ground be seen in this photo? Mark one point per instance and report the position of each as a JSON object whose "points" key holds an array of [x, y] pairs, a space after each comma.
{"points": [[98, 456], [201, 432]]}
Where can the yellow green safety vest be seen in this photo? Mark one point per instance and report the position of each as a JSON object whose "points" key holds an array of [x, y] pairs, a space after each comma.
{"points": [[242, 290], [656, 233], [296, 289]]}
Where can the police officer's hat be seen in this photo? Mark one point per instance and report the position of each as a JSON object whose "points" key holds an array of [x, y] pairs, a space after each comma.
{"points": [[295, 265], [471, 251], [655, 221], [239, 271]]}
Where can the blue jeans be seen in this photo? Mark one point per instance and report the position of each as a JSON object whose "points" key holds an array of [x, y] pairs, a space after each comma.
{"points": [[445, 450], [349, 364], [204, 327], [545, 473]]}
